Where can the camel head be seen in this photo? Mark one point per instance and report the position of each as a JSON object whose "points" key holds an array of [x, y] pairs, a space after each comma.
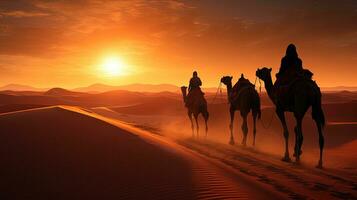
{"points": [[263, 73], [184, 91], [226, 80]]}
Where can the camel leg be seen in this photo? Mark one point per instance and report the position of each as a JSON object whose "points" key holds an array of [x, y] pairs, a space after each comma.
{"points": [[281, 116], [298, 138], [192, 127], [254, 127], [321, 143], [319, 118], [197, 127], [206, 120], [301, 140], [205, 115], [244, 129], [231, 141]]}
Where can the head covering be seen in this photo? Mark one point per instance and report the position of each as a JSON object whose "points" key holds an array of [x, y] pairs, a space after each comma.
{"points": [[195, 73], [291, 51]]}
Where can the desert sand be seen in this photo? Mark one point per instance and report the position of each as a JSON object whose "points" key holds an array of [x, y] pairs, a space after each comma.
{"points": [[65, 152], [134, 145], [262, 163]]}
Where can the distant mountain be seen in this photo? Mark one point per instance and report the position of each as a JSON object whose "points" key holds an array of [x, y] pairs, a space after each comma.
{"points": [[339, 88], [97, 88], [137, 87], [21, 93], [19, 87], [61, 92]]}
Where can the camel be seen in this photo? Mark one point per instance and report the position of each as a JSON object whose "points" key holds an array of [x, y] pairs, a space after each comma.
{"points": [[248, 100], [303, 93], [198, 106]]}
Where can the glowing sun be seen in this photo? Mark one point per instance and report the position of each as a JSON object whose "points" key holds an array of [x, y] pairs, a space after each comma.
{"points": [[113, 66]]}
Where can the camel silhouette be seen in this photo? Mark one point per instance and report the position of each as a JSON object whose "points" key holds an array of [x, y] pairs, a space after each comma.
{"points": [[248, 100], [197, 106], [301, 94]]}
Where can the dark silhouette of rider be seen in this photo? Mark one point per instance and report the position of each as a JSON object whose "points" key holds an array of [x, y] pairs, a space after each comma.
{"points": [[195, 82], [290, 68], [193, 89]]}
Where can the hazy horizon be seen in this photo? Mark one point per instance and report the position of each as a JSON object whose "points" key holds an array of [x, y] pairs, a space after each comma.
{"points": [[142, 87]]}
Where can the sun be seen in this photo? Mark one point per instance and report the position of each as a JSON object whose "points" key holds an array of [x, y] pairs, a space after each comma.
{"points": [[113, 66]]}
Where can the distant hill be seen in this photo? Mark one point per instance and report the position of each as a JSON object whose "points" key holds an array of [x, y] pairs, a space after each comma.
{"points": [[339, 88], [61, 92], [19, 87], [21, 93], [97, 88], [137, 87]]}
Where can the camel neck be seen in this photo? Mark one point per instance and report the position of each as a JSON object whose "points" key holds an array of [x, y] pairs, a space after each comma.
{"points": [[269, 87], [229, 90]]}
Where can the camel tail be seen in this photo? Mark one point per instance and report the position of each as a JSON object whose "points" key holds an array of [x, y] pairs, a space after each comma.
{"points": [[317, 112]]}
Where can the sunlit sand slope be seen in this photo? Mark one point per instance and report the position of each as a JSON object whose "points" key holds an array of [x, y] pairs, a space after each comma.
{"points": [[66, 152]]}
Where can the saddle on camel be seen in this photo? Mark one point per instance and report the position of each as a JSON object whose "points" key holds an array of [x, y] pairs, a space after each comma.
{"points": [[242, 85]]}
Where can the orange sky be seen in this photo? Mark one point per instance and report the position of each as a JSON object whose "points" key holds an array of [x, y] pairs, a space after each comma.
{"points": [[63, 43]]}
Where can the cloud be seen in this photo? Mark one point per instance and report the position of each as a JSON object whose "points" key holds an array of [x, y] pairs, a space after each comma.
{"points": [[246, 24], [161, 32], [68, 23], [20, 14]]}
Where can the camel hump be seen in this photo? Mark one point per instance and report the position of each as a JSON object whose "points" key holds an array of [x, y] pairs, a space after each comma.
{"points": [[196, 93], [285, 92], [242, 85]]}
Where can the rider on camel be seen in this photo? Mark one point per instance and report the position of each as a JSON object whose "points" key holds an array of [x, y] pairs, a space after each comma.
{"points": [[290, 71], [193, 88], [195, 82], [290, 68]]}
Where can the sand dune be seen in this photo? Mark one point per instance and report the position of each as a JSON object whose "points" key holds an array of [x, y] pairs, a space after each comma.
{"points": [[17, 107], [66, 152], [59, 150], [171, 115], [295, 181], [58, 96], [263, 164], [344, 153]]}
